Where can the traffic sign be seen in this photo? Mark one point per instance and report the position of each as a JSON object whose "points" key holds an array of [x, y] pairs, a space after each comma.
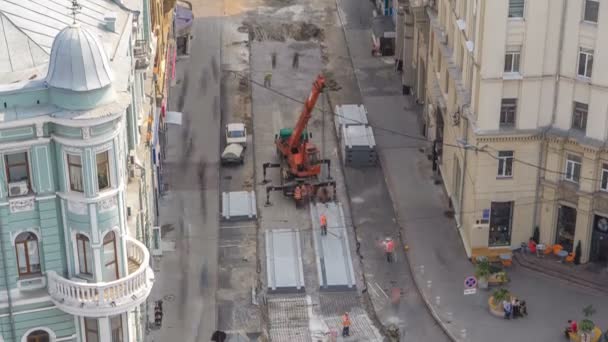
{"points": [[470, 282], [470, 291]]}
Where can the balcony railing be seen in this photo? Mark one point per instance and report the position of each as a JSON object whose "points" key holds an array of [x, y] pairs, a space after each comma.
{"points": [[105, 298]]}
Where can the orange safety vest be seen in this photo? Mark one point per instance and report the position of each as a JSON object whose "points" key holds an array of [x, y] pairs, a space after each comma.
{"points": [[323, 220], [390, 246], [345, 321]]}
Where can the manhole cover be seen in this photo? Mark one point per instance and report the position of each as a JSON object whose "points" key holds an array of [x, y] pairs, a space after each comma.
{"points": [[169, 298]]}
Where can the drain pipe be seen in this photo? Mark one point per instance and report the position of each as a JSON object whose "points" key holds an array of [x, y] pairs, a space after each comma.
{"points": [[464, 165], [6, 284], [544, 144]]}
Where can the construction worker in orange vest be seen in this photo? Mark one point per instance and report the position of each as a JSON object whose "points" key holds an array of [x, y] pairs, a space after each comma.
{"points": [[323, 224], [389, 247], [345, 325]]}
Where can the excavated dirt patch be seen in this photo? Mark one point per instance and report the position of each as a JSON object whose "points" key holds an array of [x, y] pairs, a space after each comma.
{"points": [[298, 31]]}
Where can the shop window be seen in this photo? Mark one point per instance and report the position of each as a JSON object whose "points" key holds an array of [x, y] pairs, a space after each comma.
{"points": [[75, 172], [566, 225], [85, 255], [604, 180], [110, 259], [103, 170], [116, 328], [505, 163], [28, 257], [573, 168], [501, 215], [91, 328], [17, 173], [38, 336]]}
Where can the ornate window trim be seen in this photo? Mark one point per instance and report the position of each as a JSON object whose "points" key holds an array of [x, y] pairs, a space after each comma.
{"points": [[52, 335]]}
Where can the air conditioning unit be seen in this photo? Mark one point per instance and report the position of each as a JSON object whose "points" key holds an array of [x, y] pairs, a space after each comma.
{"points": [[456, 118], [18, 188]]}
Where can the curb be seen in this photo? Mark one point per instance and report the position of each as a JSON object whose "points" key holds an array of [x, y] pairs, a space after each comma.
{"points": [[427, 303]]}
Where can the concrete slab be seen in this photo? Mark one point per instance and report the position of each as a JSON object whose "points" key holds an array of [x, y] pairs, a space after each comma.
{"points": [[334, 263], [239, 205], [284, 267]]}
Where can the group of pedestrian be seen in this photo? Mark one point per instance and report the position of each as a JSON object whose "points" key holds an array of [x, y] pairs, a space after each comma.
{"points": [[514, 308], [295, 63]]}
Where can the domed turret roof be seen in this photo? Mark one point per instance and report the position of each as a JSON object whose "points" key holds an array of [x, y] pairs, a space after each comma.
{"points": [[78, 61]]}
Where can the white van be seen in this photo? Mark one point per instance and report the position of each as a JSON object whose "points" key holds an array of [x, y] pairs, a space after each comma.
{"points": [[236, 133]]}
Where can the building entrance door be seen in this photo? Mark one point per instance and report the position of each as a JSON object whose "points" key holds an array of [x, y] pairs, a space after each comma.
{"points": [[599, 240], [566, 225]]}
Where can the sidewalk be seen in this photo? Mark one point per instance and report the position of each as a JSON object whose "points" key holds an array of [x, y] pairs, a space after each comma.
{"points": [[435, 249]]}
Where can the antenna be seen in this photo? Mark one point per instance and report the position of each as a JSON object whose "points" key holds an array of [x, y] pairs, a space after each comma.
{"points": [[75, 9]]}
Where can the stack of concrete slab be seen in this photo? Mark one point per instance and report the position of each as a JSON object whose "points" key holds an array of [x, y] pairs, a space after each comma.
{"points": [[284, 269], [349, 115], [239, 205], [358, 146], [357, 142], [334, 263]]}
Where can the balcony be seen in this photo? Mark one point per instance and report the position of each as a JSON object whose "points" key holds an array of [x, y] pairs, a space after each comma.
{"points": [[103, 299]]}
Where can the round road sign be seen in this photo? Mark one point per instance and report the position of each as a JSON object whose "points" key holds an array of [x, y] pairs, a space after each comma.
{"points": [[470, 282]]}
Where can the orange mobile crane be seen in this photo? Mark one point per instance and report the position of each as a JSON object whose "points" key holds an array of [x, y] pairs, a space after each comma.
{"points": [[300, 163]]}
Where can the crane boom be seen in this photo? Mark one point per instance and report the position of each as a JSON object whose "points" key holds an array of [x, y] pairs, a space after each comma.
{"points": [[309, 105]]}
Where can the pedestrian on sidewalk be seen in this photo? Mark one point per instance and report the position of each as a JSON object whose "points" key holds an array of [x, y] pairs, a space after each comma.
{"points": [[571, 328], [506, 305], [268, 80], [273, 58], [323, 224], [515, 307], [345, 325], [296, 61], [389, 247]]}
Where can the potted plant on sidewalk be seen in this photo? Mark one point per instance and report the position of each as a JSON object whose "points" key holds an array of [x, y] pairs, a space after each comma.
{"points": [[495, 301], [482, 272]]}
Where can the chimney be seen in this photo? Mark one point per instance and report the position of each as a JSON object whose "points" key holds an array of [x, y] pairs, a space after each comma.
{"points": [[110, 21]]}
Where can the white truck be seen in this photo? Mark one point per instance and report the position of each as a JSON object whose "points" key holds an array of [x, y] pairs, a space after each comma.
{"points": [[236, 133]]}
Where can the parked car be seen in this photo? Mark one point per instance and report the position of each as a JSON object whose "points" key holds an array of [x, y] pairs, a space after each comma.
{"points": [[236, 133], [233, 154]]}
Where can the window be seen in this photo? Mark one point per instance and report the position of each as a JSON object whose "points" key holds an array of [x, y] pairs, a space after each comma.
{"points": [[508, 108], [512, 58], [579, 116], [110, 271], [116, 327], [591, 9], [91, 328], [573, 169], [604, 181], [103, 170], [505, 163], [75, 171], [39, 336], [85, 256], [516, 8], [585, 62], [28, 259], [501, 214], [17, 168]]}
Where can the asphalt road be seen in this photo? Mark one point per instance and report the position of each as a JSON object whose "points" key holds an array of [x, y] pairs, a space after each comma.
{"points": [[187, 280]]}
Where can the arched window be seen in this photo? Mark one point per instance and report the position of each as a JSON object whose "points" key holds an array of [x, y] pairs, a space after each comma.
{"points": [[39, 336], [28, 258], [110, 258], [85, 255]]}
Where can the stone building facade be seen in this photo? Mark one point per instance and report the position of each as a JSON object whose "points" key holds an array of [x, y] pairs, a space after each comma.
{"points": [[515, 101]]}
